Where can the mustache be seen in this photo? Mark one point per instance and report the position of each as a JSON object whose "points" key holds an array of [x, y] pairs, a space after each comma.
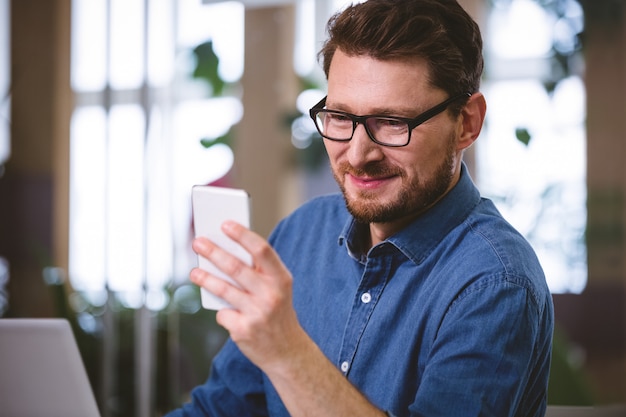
{"points": [[374, 169]]}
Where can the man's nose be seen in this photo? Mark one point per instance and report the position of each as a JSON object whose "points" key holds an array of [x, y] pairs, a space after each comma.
{"points": [[363, 149]]}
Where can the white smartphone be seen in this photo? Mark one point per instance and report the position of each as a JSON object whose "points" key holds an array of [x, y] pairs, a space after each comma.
{"points": [[212, 206]]}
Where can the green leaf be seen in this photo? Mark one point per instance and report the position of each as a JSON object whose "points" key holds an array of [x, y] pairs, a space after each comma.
{"points": [[207, 63], [523, 135], [225, 139]]}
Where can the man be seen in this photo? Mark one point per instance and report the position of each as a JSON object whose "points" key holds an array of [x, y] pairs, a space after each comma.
{"points": [[409, 294]]}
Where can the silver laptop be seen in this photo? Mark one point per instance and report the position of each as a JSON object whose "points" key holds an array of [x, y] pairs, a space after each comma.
{"points": [[41, 371]]}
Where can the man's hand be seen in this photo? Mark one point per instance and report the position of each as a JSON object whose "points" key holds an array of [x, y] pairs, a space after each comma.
{"points": [[262, 321]]}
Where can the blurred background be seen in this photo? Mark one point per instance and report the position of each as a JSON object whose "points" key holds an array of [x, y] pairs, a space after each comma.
{"points": [[111, 110]]}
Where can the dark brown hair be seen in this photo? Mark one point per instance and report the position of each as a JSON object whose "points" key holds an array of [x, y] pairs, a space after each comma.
{"points": [[438, 31]]}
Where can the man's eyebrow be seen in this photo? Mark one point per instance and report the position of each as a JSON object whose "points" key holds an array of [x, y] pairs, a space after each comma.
{"points": [[378, 111]]}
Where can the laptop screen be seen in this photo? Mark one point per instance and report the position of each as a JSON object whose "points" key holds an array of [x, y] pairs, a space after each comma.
{"points": [[41, 370]]}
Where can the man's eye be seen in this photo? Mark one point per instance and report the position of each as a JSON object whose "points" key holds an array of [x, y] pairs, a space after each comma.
{"points": [[338, 118], [384, 123]]}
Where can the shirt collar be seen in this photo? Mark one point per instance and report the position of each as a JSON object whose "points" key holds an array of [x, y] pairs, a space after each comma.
{"points": [[351, 235], [420, 237]]}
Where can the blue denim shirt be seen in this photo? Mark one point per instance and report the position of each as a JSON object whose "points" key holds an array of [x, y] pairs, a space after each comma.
{"points": [[450, 317]]}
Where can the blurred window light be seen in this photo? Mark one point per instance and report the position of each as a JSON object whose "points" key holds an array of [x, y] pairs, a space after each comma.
{"points": [[89, 45], [125, 207], [126, 37], [223, 23], [88, 132], [135, 146], [538, 185], [161, 43], [512, 24]]}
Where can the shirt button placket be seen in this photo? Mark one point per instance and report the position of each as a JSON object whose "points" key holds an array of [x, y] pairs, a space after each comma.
{"points": [[345, 366]]}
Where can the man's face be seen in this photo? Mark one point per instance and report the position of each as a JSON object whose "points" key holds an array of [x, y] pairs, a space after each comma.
{"points": [[383, 184]]}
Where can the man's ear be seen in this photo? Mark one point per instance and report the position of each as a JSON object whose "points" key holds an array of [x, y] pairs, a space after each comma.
{"points": [[473, 116]]}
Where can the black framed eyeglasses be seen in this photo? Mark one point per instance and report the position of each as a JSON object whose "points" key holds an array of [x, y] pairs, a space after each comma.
{"points": [[384, 130]]}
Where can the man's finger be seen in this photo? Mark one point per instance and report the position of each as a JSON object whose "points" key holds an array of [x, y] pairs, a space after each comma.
{"points": [[229, 264], [264, 257]]}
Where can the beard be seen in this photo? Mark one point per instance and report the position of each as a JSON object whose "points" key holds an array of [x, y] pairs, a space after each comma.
{"points": [[410, 200]]}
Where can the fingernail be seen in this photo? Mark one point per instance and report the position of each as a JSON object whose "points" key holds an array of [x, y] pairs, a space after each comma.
{"points": [[194, 274], [199, 244]]}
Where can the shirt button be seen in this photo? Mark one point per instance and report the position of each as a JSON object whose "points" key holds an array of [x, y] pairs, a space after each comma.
{"points": [[366, 297], [345, 366]]}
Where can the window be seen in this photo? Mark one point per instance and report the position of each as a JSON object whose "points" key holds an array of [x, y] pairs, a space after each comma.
{"points": [[531, 156], [135, 152], [136, 139]]}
